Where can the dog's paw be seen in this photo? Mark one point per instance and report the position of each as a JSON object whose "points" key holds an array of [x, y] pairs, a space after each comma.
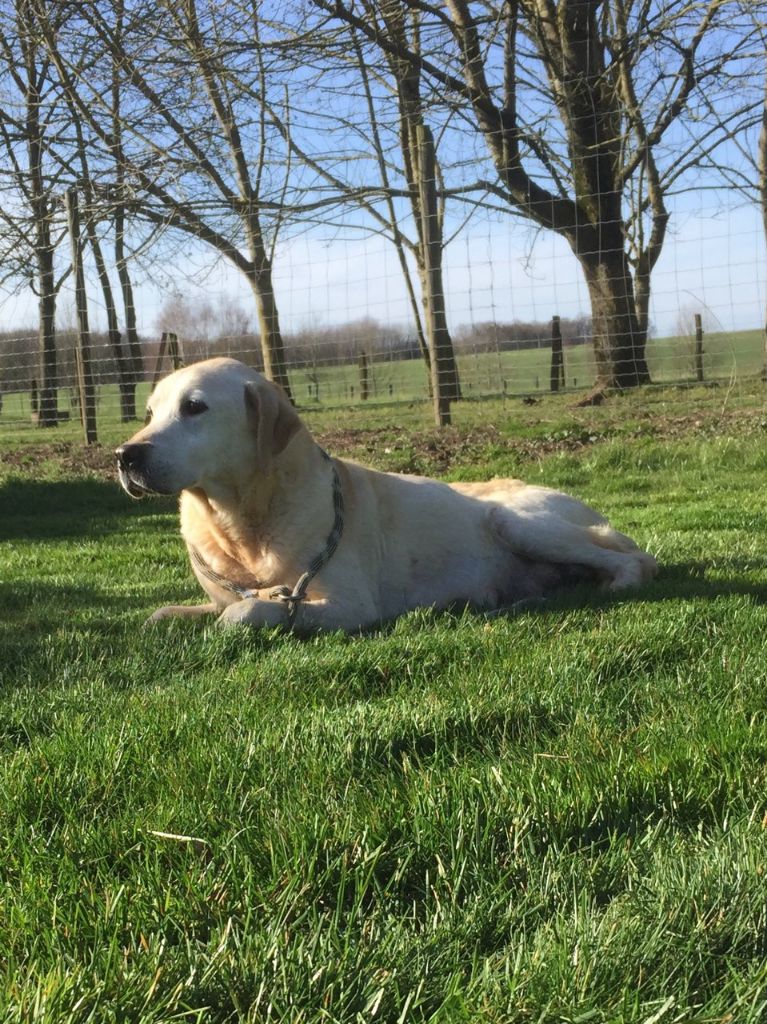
{"points": [[181, 611], [638, 569], [237, 614], [252, 611], [160, 615]]}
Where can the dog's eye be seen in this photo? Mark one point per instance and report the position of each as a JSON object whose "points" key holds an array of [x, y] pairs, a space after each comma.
{"points": [[192, 407], [148, 417]]}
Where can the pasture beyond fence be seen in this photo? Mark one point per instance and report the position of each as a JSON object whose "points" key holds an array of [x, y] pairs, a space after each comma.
{"points": [[392, 376]]}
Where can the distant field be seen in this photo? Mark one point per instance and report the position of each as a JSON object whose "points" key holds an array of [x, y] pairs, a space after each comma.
{"points": [[726, 355]]}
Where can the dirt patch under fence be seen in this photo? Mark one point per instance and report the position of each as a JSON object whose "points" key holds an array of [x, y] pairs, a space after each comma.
{"points": [[433, 452]]}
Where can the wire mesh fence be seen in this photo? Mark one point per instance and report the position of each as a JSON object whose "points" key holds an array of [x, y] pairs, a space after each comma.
{"points": [[379, 202], [517, 311], [381, 377], [405, 197]]}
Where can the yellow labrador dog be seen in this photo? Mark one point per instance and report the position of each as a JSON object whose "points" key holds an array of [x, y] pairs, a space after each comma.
{"points": [[281, 534]]}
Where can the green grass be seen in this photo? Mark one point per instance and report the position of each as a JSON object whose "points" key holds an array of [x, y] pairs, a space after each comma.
{"points": [[558, 817]]}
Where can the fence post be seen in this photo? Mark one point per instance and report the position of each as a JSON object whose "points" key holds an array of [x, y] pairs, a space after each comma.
{"points": [[557, 379], [174, 350], [160, 356], [442, 359], [698, 347], [84, 367], [168, 343], [364, 376]]}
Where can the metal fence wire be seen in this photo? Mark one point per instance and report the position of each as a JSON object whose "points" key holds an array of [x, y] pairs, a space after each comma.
{"points": [[377, 201], [507, 336]]}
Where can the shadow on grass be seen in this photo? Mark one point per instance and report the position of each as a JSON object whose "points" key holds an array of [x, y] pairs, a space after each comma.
{"points": [[695, 579], [70, 598], [62, 509], [30, 610], [84, 509], [674, 582], [487, 732]]}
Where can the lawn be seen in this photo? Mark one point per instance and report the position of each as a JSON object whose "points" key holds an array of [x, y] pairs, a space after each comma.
{"points": [[556, 817]]}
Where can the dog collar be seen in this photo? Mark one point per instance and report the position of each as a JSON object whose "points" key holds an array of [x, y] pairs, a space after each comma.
{"points": [[284, 593]]}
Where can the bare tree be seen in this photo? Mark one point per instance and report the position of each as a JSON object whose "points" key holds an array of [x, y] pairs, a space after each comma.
{"points": [[29, 128], [48, 152], [85, 185], [755, 183], [385, 100], [118, 206], [191, 147], [576, 101], [675, 135], [188, 115], [420, 166], [741, 164]]}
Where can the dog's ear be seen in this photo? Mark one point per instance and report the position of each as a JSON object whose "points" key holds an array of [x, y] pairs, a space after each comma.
{"points": [[272, 417]]}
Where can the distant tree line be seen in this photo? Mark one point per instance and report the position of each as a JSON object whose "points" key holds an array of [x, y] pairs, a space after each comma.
{"points": [[308, 349], [520, 334]]}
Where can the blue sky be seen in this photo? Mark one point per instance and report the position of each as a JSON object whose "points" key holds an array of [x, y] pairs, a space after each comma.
{"points": [[714, 260], [498, 268]]}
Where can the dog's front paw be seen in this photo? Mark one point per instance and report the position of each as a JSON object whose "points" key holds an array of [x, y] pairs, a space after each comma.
{"points": [[181, 611], [237, 613], [252, 611], [162, 613]]}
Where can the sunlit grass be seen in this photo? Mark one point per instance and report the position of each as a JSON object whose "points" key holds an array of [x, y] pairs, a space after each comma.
{"points": [[554, 817]]}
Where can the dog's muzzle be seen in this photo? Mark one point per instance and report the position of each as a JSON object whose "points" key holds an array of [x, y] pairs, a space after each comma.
{"points": [[131, 467]]}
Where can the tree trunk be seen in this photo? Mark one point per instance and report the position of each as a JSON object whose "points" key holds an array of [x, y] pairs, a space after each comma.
{"points": [[126, 386], [41, 215], [761, 163], [136, 372], [642, 302], [135, 359], [442, 364], [618, 343], [272, 347], [86, 381], [557, 372], [437, 330], [443, 367], [48, 415]]}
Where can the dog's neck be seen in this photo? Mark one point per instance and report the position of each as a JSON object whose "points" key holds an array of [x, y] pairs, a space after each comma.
{"points": [[268, 530]]}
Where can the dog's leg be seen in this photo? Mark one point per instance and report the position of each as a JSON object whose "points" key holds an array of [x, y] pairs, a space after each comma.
{"points": [[549, 537], [182, 611], [311, 616]]}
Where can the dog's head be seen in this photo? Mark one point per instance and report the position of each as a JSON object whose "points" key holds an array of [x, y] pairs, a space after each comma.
{"points": [[213, 425]]}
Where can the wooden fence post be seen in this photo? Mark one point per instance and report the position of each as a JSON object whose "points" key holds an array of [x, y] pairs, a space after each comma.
{"points": [[168, 343], [364, 376], [557, 379], [698, 347], [84, 366], [160, 356], [174, 350], [444, 375]]}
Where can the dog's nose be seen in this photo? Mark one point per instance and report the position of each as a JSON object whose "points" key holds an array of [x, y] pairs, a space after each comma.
{"points": [[131, 456]]}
